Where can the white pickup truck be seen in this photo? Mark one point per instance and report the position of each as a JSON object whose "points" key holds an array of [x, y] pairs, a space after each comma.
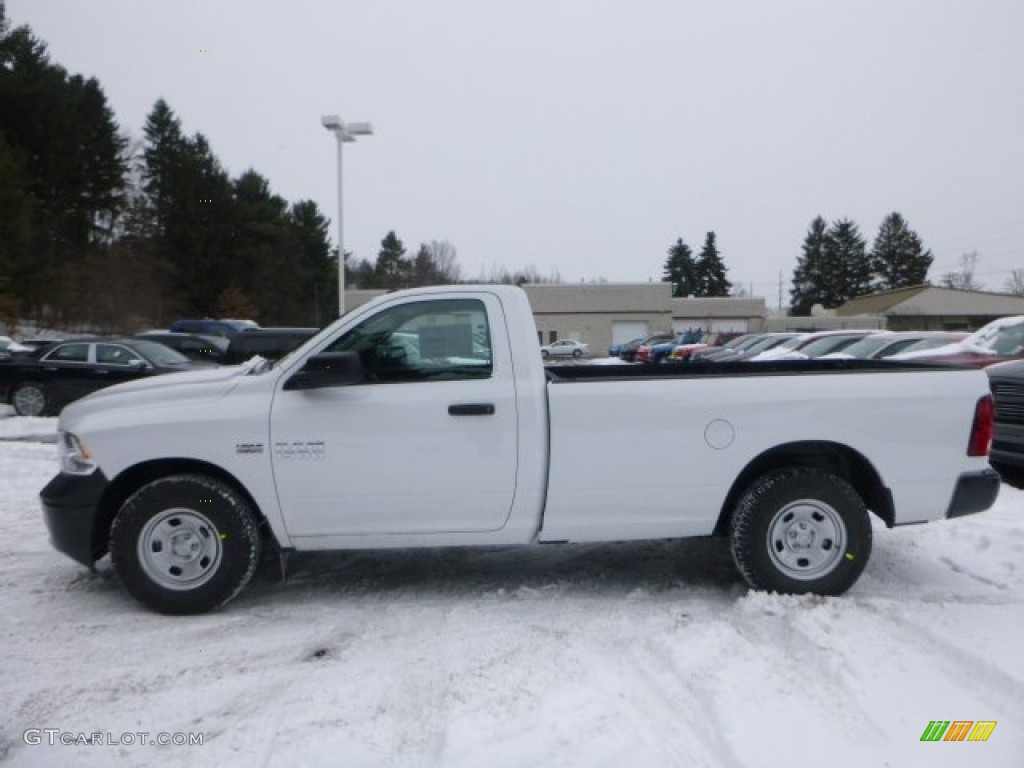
{"points": [[426, 418]]}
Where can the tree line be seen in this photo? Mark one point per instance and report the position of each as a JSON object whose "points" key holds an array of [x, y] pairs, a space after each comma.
{"points": [[702, 276], [835, 264], [98, 231]]}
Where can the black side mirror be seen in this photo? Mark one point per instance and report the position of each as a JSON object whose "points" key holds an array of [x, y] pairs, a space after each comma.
{"points": [[329, 369]]}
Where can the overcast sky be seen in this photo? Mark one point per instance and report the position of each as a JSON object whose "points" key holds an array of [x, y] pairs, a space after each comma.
{"points": [[585, 136]]}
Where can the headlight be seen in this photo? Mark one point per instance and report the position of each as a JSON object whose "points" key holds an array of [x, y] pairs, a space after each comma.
{"points": [[75, 458]]}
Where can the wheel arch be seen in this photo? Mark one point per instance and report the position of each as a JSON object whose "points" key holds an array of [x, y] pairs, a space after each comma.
{"points": [[839, 459], [135, 477]]}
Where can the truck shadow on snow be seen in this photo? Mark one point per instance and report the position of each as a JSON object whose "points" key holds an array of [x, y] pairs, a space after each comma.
{"points": [[585, 569]]}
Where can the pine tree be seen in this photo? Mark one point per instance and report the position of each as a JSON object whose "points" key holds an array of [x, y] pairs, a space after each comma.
{"points": [[809, 274], [393, 269], [17, 263], [898, 259], [709, 271], [423, 272], [680, 270], [847, 266], [64, 138], [314, 263]]}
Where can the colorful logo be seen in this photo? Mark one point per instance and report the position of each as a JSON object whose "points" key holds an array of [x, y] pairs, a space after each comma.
{"points": [[958, 730]]}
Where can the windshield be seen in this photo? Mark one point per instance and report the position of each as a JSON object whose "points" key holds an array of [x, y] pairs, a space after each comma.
{"points": [[868, 346], [791, 343], [771, 342], [827, 344], [158, 354]]}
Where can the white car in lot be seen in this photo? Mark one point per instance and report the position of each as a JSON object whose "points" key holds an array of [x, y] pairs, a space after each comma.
{"points": [[565, 348]]}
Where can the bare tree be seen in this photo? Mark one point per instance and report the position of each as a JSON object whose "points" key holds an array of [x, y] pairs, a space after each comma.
{"points": [[1015, 282], [446, 266], [963, 279]]}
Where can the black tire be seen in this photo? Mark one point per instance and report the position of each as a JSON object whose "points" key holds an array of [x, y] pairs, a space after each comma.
{"points": [[31, 398], [576, 353], [544, 354], [801, 530], [185, 544]]}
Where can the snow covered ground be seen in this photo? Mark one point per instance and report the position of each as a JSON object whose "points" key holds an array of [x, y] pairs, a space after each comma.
{"points": [[650, 654]]}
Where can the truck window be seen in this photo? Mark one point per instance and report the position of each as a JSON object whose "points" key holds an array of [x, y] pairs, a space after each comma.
{"points": [[439, 340]]}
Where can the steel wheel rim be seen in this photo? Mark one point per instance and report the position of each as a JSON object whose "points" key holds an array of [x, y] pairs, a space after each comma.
{"points": [[806, 539], [180, 549], [29, 400]]}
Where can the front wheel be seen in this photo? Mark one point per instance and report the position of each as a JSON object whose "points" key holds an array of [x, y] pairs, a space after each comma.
{"points": [[185, 544], [576, 353], [544, 354], [801, 530], [30, 398]]}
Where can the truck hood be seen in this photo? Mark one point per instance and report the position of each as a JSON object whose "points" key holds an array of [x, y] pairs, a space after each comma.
{"points": [[164, 389]]}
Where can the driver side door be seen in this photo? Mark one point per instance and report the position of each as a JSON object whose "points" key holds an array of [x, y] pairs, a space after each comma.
{"points": [[427, 443]]}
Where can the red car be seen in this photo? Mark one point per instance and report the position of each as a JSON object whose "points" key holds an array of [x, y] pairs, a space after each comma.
{"points": [[999, 341]]}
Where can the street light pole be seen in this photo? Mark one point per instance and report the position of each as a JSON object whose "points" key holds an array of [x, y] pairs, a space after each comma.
{"points": [[343, 132]]}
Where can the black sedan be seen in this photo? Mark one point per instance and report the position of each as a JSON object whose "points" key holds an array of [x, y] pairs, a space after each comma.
{"points": [[42, 384]]}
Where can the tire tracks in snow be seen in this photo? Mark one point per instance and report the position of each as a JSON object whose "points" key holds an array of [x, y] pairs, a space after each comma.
{"points": [[968, 670], [658, 699]]}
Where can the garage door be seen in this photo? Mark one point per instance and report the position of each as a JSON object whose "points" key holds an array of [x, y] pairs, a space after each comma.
{"points": [[623, 331], [736, 325]]}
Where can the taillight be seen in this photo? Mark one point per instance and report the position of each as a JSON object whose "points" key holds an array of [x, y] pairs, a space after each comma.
{"points": [[981, 429]]}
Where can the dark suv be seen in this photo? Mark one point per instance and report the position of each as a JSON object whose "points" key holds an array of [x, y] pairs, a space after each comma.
{"points": [[208, 327], [270, 343], [1007, 456]]}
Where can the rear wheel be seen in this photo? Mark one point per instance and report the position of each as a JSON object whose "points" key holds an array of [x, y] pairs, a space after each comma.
{"points": [[801, 530], [544, 354], [185, 544], [30, 398], [576, 353]]}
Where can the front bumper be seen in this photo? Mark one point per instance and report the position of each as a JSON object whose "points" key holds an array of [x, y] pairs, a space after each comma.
{"points": [[70, 509], [974, 492]]}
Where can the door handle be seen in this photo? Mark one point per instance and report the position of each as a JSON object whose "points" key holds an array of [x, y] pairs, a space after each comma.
{"points": [[472, 409]]}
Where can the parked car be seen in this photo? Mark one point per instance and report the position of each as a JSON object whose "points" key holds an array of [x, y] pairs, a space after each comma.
{"points": [[1007, 455], [565, 348], [657, 352], [728, 348], [9, 347], [879, 346], [269, 343], [42, 384], [708, 341], [196, 347], [811, 345], [763, 344], [208, 327], [630, 351], [997, 342], [615, 350]]}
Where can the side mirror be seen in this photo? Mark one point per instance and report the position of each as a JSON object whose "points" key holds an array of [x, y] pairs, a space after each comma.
{"points": [[329, 369]]}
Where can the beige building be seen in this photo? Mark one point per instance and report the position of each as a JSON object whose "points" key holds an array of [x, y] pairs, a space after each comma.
{"points": [[933, 308]]}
